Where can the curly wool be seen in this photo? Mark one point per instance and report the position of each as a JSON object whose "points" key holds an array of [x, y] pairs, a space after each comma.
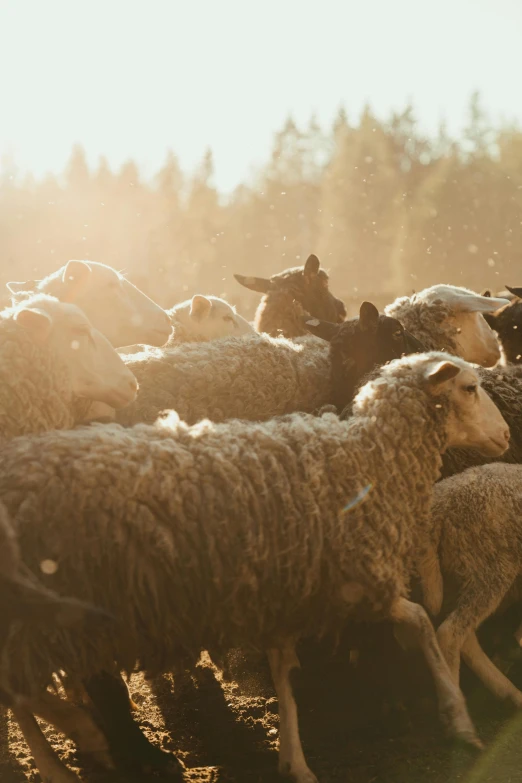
{"points": [[476, 531], [428, 321], [504, 386], [229, 535], [35, 389], [252, 378]]}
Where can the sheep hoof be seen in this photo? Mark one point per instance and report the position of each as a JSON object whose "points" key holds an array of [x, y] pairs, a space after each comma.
{"points": [[169, 765], [460, 726], [148, 760], [297, 774]]}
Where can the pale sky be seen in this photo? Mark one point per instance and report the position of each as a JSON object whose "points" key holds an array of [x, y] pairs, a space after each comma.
{"points": [[130, 78]]}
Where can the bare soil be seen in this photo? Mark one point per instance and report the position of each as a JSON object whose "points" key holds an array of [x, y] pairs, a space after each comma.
{"points": [[371, 720]]}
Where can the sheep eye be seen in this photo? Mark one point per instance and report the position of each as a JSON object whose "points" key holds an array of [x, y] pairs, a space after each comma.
{"points": [[471, 389], [397, 335], [229, 318], [84, 331]]}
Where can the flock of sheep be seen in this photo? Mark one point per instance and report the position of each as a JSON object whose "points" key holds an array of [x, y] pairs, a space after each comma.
{"points": [[215, 485]]}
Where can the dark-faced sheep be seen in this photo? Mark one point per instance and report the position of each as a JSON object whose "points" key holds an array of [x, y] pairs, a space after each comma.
{"points": [[242, 534], [260, 377], [507, 323], [359, 345], [288, 293]]}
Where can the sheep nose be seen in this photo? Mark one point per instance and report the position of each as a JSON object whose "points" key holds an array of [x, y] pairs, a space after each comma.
{"points": [[507, 434]]}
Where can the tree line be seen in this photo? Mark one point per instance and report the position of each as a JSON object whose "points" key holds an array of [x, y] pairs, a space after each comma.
{"points": [[388, 210]]}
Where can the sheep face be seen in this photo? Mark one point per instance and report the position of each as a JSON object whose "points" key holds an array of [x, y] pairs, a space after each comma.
{"points": [[359, 345], [209, 318], [97, 372], [507, 322], [475, 340], [473, 419], [308, 285], [114, 306]]}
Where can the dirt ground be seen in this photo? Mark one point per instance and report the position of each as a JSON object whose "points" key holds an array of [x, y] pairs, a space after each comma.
{"points": [[373, 720]]}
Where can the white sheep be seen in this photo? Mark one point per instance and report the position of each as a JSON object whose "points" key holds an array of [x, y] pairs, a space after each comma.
{"points": [[200, 319], [243, 534], [112, 304], [53, 364], [204, 318], [251, 377], [449, 318]]}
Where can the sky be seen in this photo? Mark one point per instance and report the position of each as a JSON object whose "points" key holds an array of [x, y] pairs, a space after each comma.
{"points": [[131, 78]]}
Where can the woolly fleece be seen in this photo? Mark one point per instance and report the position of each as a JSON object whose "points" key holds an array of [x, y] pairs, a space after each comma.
{"points": [[219, 536], [254, 377], [35, 388]]}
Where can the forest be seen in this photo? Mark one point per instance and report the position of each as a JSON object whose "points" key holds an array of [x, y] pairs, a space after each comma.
{"points": [[387, 209]]}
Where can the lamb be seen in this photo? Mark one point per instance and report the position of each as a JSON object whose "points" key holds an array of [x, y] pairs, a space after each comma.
{"points": [[200, 319], [286, 294], [204, 318], [111, 303], [52, 365], [191, 531], [476, 537], [358, 346], [449, 318], [507, 323]]}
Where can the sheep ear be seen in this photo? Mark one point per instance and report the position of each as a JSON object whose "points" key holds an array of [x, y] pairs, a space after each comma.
{"points": [[200, 307], [323, 329], [260, 284], [441, 373], [475, 303], [311, 268], [368, 317], [74, 278], [35, 321], [18, 288], [486, 292], [491, 318], [516, 291]]}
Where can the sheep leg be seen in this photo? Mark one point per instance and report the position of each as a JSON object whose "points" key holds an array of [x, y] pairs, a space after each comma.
{"points": [[75, 723], [476, 602], [431, 582], [49, 765], [75, 691], [487, 672], [292, 762], [129, 746], [452, 706]]}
